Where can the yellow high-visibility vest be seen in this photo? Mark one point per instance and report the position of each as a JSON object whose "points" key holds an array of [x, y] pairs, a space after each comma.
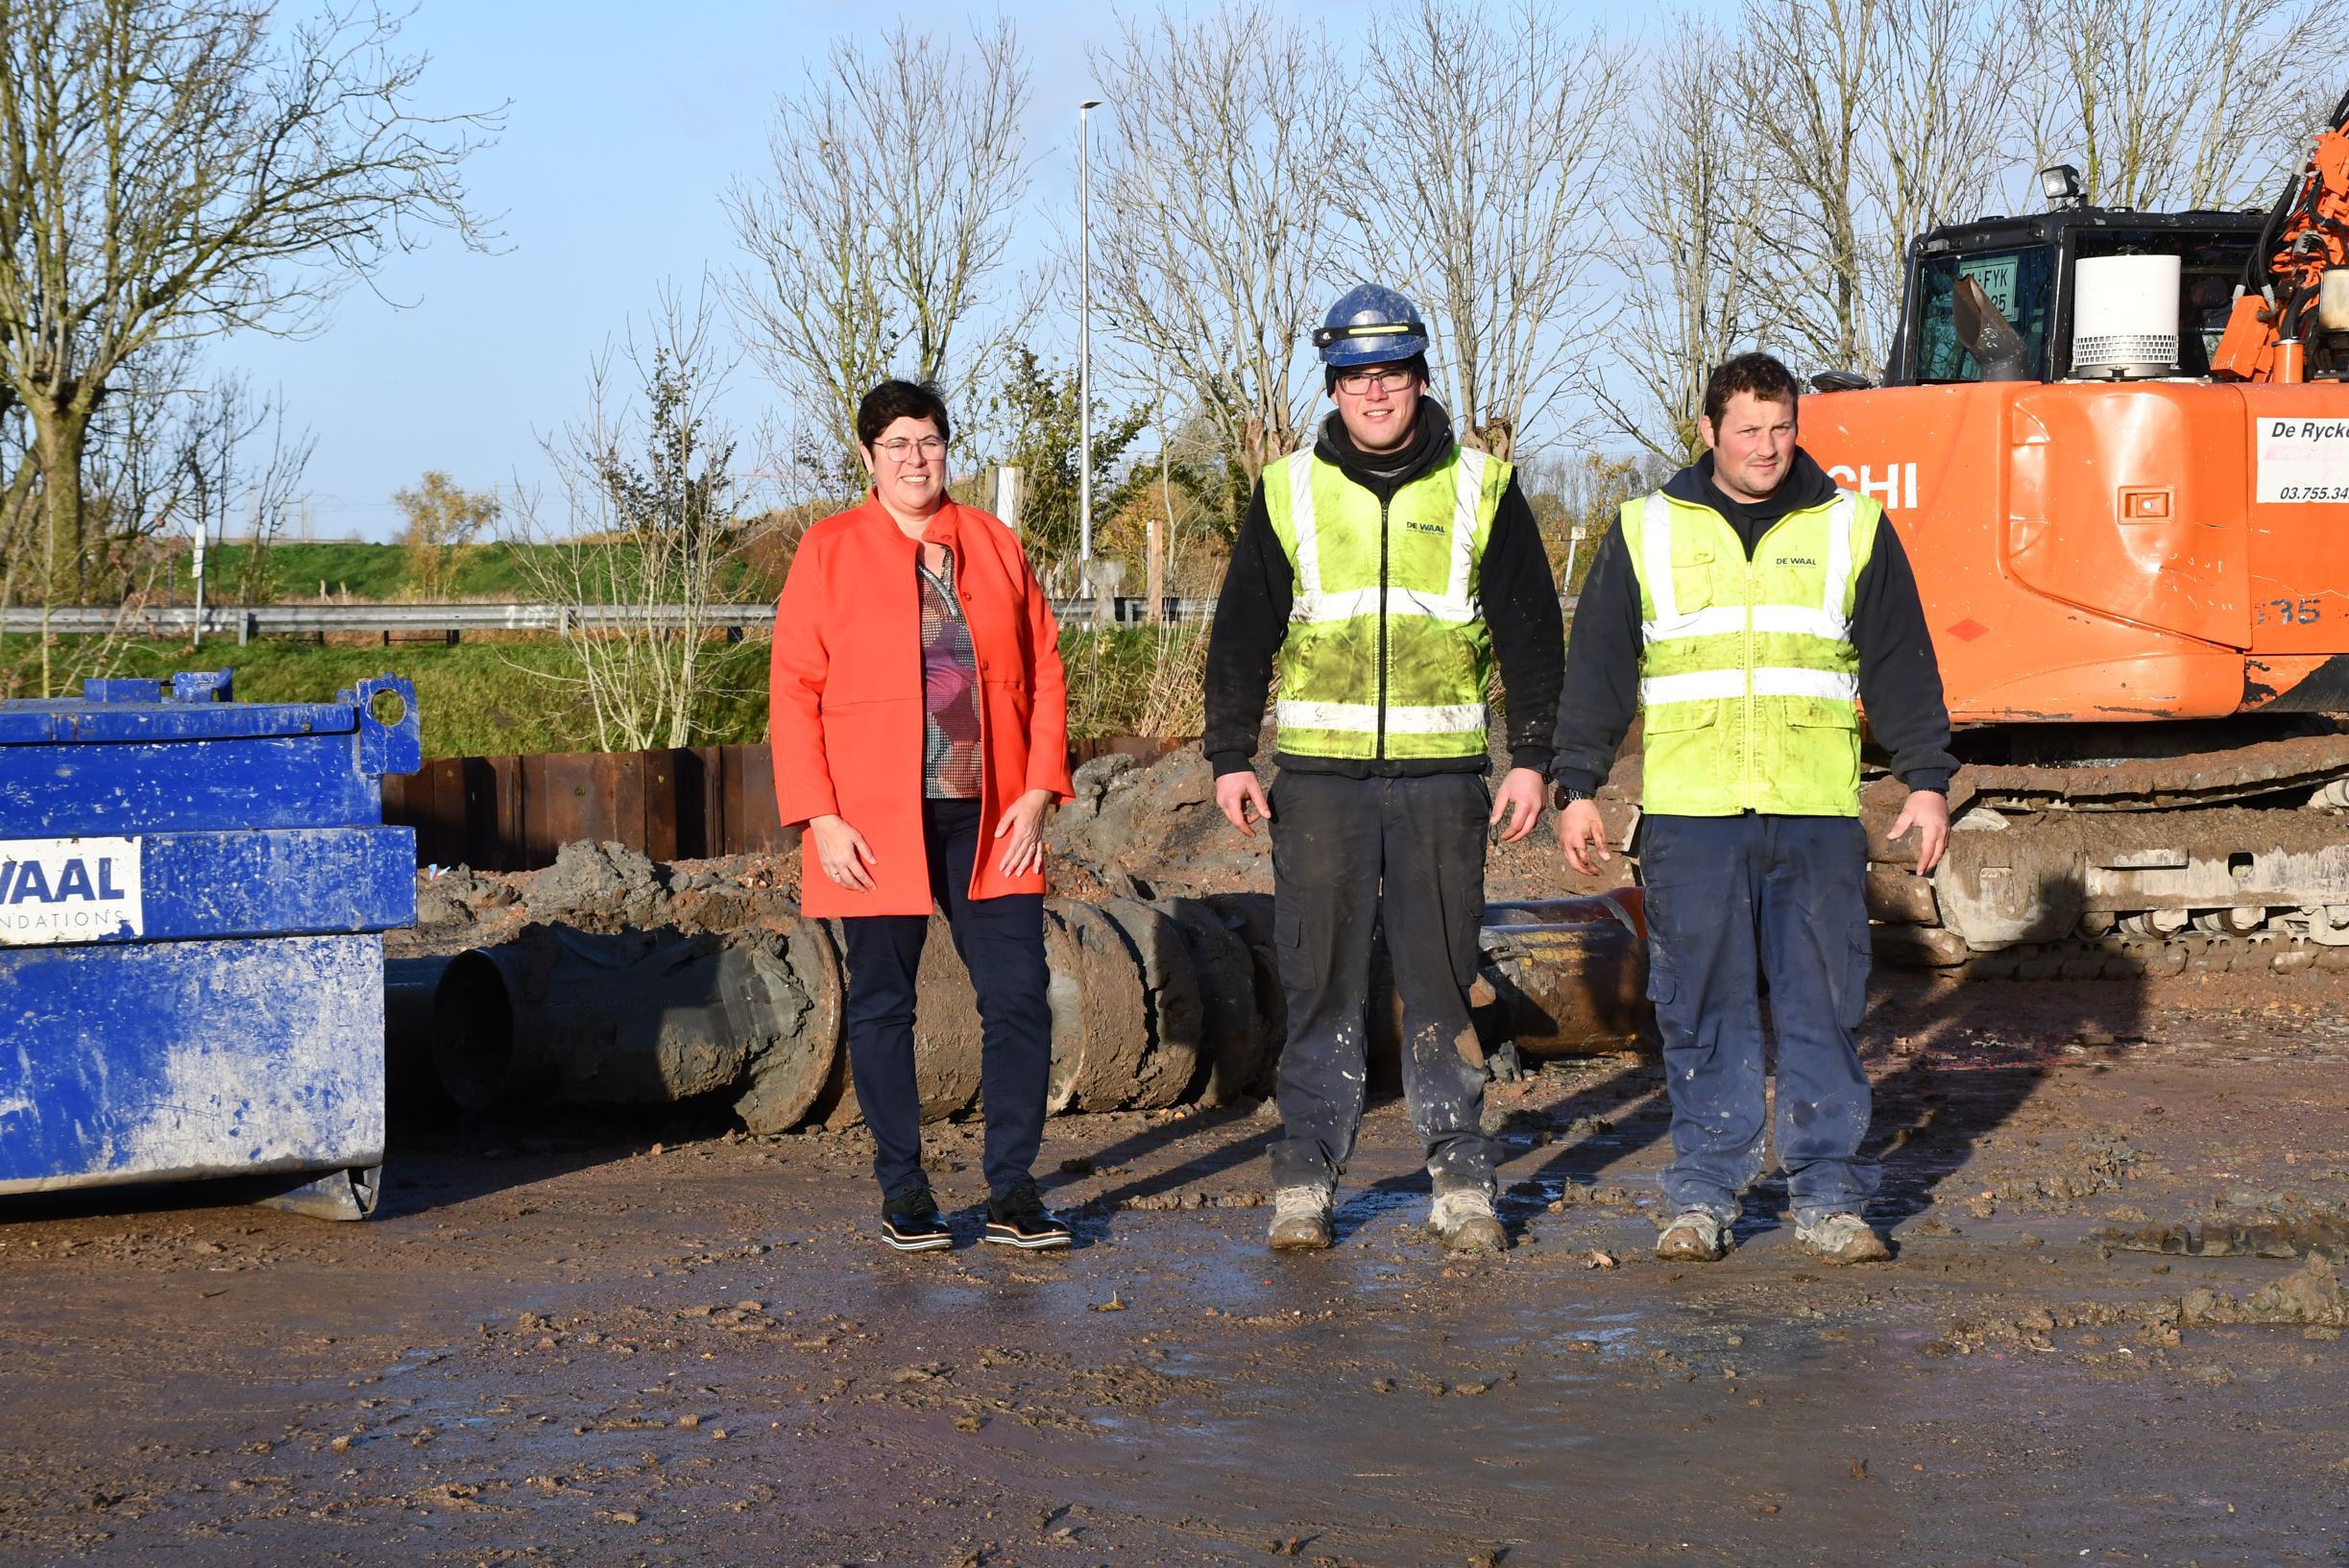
{"points": [[1748, 675]]}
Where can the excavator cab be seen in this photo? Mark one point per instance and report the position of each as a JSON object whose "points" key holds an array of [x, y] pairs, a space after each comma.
{"points": [[1994, 300]]}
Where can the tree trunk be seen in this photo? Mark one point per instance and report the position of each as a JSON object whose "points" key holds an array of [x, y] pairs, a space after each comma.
{"points": [[60, 433]]}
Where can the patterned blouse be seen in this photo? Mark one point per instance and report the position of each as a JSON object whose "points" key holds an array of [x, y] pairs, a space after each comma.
{"points": [[950, 689]]}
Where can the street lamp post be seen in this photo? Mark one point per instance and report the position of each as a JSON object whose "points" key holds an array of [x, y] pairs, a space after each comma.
{"points": [[1085, 338]]}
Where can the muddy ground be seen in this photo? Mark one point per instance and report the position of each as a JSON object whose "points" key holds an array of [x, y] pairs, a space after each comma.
{"points": [[648, 1342]]}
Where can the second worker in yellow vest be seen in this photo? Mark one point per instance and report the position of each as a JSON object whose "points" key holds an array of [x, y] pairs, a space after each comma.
{"points": [[1385, 570], [1748, 610]]}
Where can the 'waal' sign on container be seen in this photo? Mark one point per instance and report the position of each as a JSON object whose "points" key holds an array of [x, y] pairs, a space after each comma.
{"points": [[56, 890]]}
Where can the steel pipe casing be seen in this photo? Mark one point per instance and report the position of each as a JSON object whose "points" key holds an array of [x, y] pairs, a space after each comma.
{"points": [[643, 1018]]}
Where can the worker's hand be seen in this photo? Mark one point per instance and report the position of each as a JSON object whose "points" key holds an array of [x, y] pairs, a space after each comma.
{"points": [[1583, 834], [1023, 829], [1237, 795], [1520, 791], [1928, 813], [843, 854]]}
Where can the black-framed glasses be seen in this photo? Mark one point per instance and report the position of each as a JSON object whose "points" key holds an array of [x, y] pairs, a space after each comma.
{"points": [[1377, 378]]}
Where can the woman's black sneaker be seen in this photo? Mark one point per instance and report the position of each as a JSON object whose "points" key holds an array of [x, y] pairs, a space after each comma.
{"points": [[1019, 1218], [910, 1223]]}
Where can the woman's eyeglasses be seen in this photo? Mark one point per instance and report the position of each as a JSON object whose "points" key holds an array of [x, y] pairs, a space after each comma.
{"points": [[903, 447]]}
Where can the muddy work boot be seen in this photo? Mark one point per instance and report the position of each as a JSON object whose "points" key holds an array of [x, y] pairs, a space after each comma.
{"points": [[1300, 1219], [1463, 1220], [1842, 1238], [1694, 1236]]}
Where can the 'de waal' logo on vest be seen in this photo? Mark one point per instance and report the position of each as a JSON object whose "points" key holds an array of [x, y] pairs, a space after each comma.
{"points": [[69, 890]]}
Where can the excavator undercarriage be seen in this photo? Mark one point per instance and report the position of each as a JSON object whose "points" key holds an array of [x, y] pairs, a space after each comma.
{"points": [[2218, 859]]}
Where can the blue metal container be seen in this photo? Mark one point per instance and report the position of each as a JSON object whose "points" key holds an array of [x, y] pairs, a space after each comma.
{"points": [[192, 897]]}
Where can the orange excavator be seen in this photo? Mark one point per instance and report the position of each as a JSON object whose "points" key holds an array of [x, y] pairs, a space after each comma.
{"points": [[2116, 446]]}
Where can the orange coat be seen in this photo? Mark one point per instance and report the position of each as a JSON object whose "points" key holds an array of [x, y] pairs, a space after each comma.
{"points": [[845, 697]]}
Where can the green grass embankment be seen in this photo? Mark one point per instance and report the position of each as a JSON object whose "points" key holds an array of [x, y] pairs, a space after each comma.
{"points": [[476, 699], [490, 698]]}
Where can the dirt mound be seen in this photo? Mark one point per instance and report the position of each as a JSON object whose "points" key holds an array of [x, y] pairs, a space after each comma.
{"points": [[600, 889], [1154, 831], [1147, 832]]}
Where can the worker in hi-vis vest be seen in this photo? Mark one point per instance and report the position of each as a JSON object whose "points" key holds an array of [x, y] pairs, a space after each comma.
{"points": [[1749, 610], [1384, 569]]}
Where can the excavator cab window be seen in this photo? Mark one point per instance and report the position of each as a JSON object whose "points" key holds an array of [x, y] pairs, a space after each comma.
{"points": [[2004, 286], [2018, 283]]}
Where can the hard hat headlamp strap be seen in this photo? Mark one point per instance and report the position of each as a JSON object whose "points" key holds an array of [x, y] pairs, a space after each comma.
{"points": [[1324, 336]]}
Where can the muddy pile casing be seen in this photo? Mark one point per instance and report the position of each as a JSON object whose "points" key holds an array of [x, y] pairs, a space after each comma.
{"points": [[1154, 1005]]}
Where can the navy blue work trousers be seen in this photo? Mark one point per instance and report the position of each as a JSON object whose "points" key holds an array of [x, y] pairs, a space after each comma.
{"points": [[1730, 901], [1001, 942]]}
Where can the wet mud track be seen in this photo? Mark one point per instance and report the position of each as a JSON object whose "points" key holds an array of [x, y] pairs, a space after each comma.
{"points": [[562, 1343]]}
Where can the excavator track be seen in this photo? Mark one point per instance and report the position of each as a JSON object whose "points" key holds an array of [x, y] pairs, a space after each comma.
{"points": [[2213, 861]]}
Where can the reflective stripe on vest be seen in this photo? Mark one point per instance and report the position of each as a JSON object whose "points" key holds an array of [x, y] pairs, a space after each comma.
{"points": [[1439, 651], [1751, 693]]}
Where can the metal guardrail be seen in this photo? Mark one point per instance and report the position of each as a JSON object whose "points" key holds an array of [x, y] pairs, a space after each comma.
{"points": [[251, 621]]}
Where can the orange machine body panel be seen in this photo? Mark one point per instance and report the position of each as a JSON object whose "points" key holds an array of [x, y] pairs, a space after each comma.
{"points": [[2114, 550]]}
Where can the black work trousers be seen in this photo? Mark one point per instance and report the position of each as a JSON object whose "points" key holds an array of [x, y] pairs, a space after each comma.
{"points": [[1001, 941], [1345, 853]]}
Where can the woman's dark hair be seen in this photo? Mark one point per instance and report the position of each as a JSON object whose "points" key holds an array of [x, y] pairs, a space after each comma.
{"points": [[1760, 375], [1416, 364], [893, 401]]}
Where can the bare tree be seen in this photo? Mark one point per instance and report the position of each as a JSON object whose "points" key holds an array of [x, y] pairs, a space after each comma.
{"points": [[2180, 103], [133, 477], [872, 243], [1475, 192], [1218, 226], [649, 515], [18, 503], [221, 480], [1940, 135], [1686, 227], [169, 460], [175, 168], [1576, 499], [1807, 71]]}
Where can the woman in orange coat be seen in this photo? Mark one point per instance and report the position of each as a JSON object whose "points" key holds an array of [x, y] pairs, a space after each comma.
{"points": [[920, 727]]}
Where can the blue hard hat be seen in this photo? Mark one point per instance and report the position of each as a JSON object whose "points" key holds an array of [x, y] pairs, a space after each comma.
{"points": [[1371, 324]]}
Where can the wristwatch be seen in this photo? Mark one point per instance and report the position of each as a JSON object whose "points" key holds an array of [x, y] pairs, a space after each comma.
{"points": [[1564, 795]]}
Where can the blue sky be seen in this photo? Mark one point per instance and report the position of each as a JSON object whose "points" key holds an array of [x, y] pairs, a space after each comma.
{"points": [[626, 124]]}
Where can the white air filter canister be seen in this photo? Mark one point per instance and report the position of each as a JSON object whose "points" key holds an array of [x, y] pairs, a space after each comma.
{"points": [[2124, 316]]}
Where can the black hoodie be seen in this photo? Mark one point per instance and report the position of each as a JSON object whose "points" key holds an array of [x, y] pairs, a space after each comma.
{"points": [[1514, 586], [1900, 681]]}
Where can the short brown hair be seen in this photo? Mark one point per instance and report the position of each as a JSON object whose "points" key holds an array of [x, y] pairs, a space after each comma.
{"points": [[893, 401], [1760, 375]]}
